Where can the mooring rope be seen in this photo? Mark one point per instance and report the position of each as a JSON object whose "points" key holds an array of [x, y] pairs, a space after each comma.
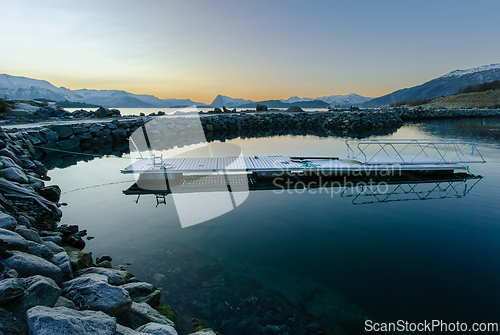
{"points": [[99, 185], [78, 153]]}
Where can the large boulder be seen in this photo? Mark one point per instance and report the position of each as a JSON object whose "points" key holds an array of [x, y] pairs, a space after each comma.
{"points": [[51, 193], [140, 314], [103, 112], [70, 144], [62, 261], [157, 329], [115, 277], [66, 321], [79, 260], [63, 131], [7, 162], [14, 240], [260, 108], [53, 239], [119, 134], [28, 265], [49, 135], [7, 221], [294, 109], [97, 295], [7, 153], [53, 247], [39, 291], [28, 234], [14, 174], [143, 292], [10, 289], [40, 250]]}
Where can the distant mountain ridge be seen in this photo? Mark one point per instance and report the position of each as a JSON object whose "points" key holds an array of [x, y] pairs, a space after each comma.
{"points": [[14, 87], [445, 85], [320, 102]]}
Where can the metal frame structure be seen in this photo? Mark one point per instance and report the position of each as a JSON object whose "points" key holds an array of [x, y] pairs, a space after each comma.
{"points": [[407, 151]]}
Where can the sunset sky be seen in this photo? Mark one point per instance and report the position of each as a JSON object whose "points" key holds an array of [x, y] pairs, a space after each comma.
{"points": [[255, 49]]}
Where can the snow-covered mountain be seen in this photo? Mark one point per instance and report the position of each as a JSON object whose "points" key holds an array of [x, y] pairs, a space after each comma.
{"points": [[460, 73], [13, 87], [333, 100], [222, 100], [445, 85]]}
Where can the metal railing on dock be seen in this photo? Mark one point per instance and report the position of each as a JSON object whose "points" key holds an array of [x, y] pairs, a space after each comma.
{"points": [[403, 151]]}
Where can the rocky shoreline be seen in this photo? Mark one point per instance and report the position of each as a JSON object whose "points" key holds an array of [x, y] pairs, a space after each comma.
{"points": [[48, 285]]}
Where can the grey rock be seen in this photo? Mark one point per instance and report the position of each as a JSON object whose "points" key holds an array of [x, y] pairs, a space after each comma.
{"points": [[103, 112], [104, 264], [78, 130], [40, 250], [63, 302], [7, 162], [207, 332], [86, 136], [63, 131], [7, 221], [122, 330], [294, 109], [54, 239], [28, 265], [70, 144], [10, 289], [157, 329], [53, 247], [261, 108], [115, 277], [10, 324], [66, 321], [95, 128], [79, 259], [6, 152], [140, 314], [29, 234], [14, 240], [40, 168], [23, 220], [119, 134], [14, 174], [36, 183], [143, 292], [62, 261], [39, 291], [89, 293], [51, 193], [49, 135], [103, 133]]}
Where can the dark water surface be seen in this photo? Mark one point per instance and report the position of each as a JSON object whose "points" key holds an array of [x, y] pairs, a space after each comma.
{"points": [[409, 260]]}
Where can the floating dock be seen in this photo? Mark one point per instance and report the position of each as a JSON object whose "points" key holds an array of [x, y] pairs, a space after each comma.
{"points": [[364, 157]]}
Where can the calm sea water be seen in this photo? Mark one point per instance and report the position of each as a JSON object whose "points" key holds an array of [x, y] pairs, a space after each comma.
{"points": [[409, 260], [147, 111]]}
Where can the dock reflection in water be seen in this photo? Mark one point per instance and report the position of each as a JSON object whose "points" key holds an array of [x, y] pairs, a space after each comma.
{"points": [[362, 190]]}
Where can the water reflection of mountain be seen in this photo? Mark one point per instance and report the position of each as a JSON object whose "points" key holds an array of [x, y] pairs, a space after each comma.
{"points": [[485, 130]]}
